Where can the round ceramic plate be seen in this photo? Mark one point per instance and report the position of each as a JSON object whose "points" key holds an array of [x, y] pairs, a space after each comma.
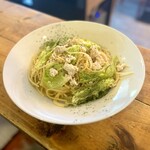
{"points": [[25, 96]]}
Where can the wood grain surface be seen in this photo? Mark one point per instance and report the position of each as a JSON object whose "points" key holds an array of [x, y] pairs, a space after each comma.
{"points": [[128, 130]]}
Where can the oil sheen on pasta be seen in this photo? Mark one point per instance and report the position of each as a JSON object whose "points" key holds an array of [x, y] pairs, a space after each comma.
{"points": [[72, 71]]}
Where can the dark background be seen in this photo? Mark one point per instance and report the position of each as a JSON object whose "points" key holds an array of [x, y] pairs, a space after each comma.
{"points": [[64, 9]]}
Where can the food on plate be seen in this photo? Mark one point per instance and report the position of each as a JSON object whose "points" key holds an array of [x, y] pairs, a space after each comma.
{"points": [[72, 71]]}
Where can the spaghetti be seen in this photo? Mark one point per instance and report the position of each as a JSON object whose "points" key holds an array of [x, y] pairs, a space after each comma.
{"points": [[74, 71]]}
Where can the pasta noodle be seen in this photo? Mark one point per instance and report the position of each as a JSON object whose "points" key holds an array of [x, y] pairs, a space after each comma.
{"points": [[74, 71]]}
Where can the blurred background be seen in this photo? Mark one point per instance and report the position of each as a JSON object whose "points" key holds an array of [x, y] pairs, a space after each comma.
{"points": [[131, 17]]}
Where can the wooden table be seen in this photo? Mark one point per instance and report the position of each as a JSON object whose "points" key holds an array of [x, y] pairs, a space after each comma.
{"points": [[128, 130]]}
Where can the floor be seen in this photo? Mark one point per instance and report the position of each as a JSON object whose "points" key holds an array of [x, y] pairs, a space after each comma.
{"points": [[22, 142], [123, 18], [13, 139], [7, 132]]}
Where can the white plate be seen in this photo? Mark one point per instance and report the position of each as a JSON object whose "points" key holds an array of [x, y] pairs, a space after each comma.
{"points": [[29, 100]]}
